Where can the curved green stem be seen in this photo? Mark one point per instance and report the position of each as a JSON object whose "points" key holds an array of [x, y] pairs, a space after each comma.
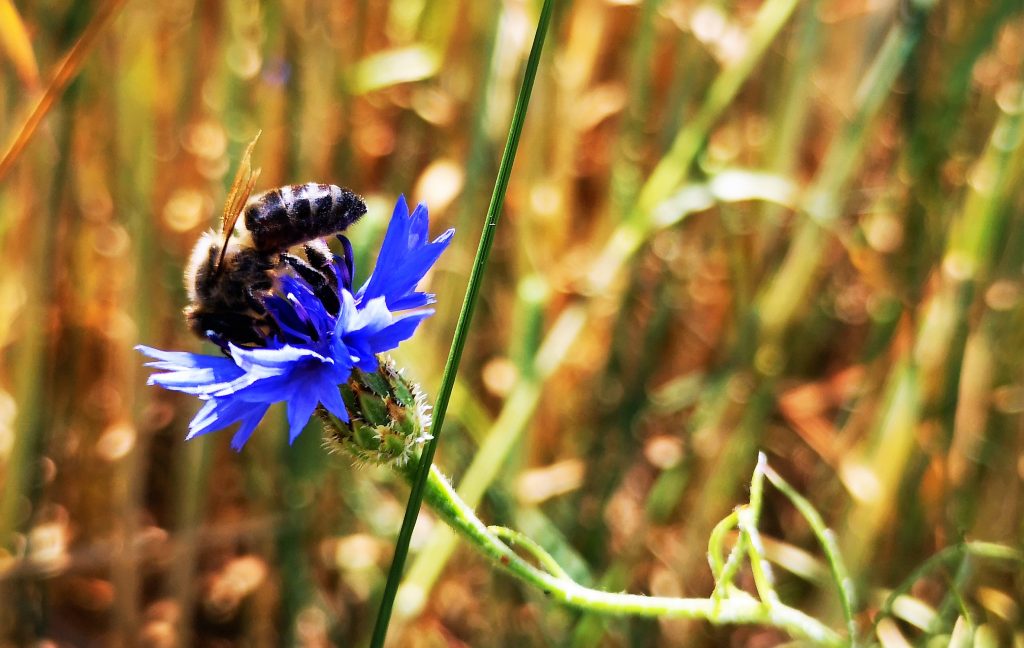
{"points": [[514, 538], [747, 521], [737, 608], [827, 539], [724, 585], [716, 544]]}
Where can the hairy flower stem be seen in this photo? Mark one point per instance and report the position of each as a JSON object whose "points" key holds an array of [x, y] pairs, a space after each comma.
{"points": [[736, 608]]}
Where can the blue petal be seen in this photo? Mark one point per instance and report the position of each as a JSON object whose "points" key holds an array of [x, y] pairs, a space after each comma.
{"points": [[190, 373], [300, 408], [265, 390], [418, 223], [306, 303], [372, 316], [273, 361], [348, 315], [412, 300], [270, 372], [396, 280], [394, 247], [361, 353], [247, 427], [360, 330], [208, 413], [396, 239], [343, 268], [338, 372], [414, 267], [217, 414], [331, 399], [295, 330], [293, 292], [401, 330], [190, 383], [175, 360], [368, 363]]}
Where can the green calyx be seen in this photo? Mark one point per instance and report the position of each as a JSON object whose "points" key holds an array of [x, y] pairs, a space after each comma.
{"points": [[388, 418]]}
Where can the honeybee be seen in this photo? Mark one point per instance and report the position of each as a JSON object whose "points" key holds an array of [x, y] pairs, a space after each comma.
{"points": [[229, 274]]}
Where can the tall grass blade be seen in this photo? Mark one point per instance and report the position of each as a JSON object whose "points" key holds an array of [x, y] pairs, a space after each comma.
{"points": [[462, 328]]}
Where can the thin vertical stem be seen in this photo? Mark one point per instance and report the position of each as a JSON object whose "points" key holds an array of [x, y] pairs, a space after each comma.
{"points": [[462, 328], [827, 539]]}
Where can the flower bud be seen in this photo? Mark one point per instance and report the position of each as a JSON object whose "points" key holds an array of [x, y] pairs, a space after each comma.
{"points": [[389, 418]]}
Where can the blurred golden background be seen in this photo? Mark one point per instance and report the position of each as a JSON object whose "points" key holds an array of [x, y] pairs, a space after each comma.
{"points": [[732, 225]]}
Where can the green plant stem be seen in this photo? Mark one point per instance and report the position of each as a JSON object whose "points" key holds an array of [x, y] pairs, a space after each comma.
{"points": [[825, 537], [462, 328], [716, 542], [515, 538], [724, 581], [747, 521], [739, 608]]}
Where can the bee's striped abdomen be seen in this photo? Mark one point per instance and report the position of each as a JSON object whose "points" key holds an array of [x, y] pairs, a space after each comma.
{"points": [[293, 214]]}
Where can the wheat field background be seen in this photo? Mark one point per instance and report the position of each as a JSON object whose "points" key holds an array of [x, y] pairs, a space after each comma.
{"points": [[789, 226]]}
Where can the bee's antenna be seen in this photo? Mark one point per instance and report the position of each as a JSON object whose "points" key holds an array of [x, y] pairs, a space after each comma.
{"points": [[241, 189]]}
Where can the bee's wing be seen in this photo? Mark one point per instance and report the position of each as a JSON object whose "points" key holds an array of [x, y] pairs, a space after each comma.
{"points": [[241, 188]]}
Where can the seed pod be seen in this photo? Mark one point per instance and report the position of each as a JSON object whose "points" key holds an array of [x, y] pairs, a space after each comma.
{"points": [[389, 418]]}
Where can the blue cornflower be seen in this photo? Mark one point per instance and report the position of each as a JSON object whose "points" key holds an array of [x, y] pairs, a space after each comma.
{"points": [[313, 351]]}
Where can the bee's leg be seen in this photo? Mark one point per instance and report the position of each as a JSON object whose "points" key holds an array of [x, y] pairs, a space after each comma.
{"points": [[320, 257], [263, 323], [311, 275], [317, 281]]}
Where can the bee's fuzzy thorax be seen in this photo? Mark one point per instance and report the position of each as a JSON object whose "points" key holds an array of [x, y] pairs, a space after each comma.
{"points": [[203, 253]]}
